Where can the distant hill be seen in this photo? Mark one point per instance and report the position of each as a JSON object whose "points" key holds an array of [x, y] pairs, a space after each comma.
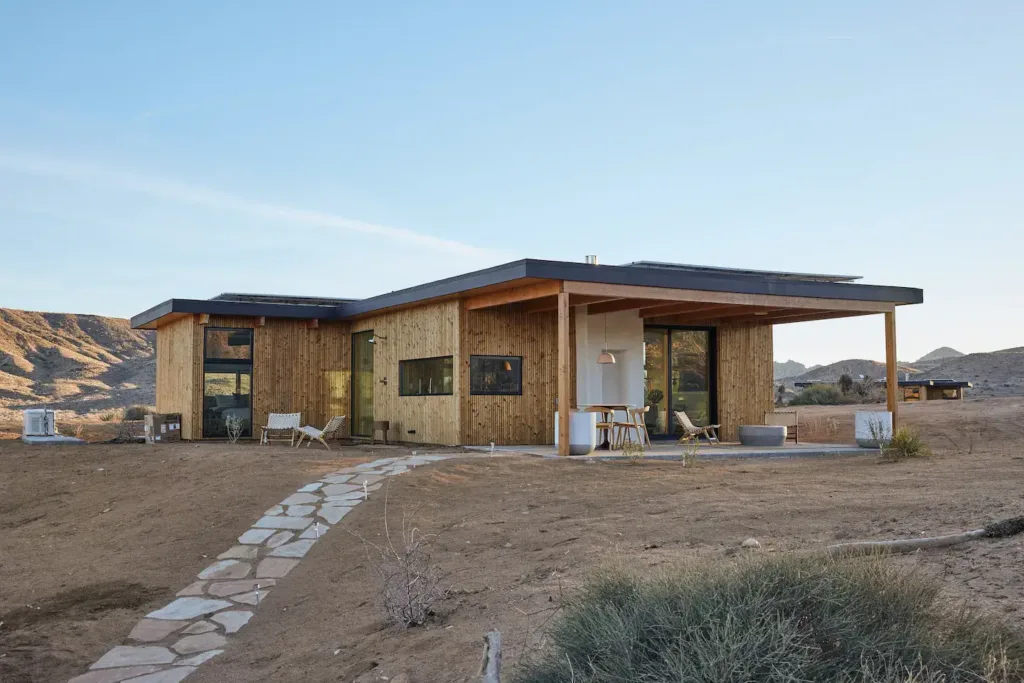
{"points": [[855, 367], [940, 353], [790, 368], [81, 363], [998, 373]]}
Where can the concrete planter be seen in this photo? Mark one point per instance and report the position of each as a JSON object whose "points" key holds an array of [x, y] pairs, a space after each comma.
{"points": [[871, 424], [582, 432], [762, 435]]}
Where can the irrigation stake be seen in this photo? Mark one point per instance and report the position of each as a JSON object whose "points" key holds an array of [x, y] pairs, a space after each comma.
{"points": [[366, 491]]}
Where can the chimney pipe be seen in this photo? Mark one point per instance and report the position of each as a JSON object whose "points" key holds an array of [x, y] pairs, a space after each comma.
{"points": [[591, 259]]}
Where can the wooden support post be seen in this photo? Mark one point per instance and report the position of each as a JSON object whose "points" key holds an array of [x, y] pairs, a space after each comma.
{"points": [[564, 388], [204, 318], [261, 321], [892, 379]]}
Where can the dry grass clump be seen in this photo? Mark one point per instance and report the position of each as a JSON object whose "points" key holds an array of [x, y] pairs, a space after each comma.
{"points": [[774, 620], [905, 443]]}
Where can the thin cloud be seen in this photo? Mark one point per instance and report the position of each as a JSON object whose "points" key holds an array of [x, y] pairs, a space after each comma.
{"points": [[169, 190]]}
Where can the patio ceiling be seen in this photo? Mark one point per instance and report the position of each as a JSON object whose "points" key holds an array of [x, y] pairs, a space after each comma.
{"points": [[676, 306]]}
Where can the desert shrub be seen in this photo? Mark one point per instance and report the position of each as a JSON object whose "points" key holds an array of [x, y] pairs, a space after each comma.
{"points": [[905, 443], [137, 412], [773, 620], [634, 452], [108, 416], [819, 395], [845, 383], [410, 584]]}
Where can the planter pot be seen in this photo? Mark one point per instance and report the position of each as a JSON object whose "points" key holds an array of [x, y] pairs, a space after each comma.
{"points": [[871, 426], [582, 432], [762, 435]]}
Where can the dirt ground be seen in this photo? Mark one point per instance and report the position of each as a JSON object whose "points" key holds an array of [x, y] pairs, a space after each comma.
{"points": [[513, 537]]}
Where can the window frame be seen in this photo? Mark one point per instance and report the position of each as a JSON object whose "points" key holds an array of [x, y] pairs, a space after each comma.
{"points": [[229, 362], [401, 374], [473, 392], [252, 338]]}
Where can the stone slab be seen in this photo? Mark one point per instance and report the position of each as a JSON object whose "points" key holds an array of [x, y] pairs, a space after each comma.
{"points": [[333, 515], [376, 463], [152, 630], [340, 489], [296, 523], [233, 620], [200, 643], [200, 658], [275, 510], [345, 497], [368, 479], [223, 589], [240, 552], [188, 608], [175, 674], [336, 478], [114, 675], [280, 538], [130, 655], [275, 567], [226, 569], [350, 502], [300, 499], [316, 531], [255, 536], [254, 598], [297, 549], [194, 588], [309, 488], [300, 510], [199, 627]]}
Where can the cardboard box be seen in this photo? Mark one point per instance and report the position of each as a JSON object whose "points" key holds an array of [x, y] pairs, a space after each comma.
{"points": [[163, 428]]}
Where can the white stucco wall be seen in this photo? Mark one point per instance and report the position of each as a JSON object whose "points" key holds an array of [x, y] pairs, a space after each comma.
{"points": [[622, 382]]}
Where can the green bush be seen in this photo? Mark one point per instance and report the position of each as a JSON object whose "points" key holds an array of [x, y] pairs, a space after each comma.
{"points": [[905, 443], [819, 395], [773, 621], [137, 412]]}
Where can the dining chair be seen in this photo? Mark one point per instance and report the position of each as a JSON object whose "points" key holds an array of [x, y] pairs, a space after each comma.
{"points": [[605, 424], [633, 423]]}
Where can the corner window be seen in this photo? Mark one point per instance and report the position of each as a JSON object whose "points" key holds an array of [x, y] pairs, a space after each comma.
{"points": [[501, 375], [426, 377]]}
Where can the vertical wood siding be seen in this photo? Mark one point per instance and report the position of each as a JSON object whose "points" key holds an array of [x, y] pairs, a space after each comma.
{"points": [[745, 376], [175, 376], [526, 419], [422, 332]]}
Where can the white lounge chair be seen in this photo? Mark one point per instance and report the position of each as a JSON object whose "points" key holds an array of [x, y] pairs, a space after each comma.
{"points": [[692, 431], [277, 423], [327, 432]]}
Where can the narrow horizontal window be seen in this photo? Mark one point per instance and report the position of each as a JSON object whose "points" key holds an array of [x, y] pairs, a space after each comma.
{"points": [[426, 377], [498, 375]]}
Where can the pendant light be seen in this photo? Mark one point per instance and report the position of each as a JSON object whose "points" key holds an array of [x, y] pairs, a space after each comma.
{"points": [[605, 357]]}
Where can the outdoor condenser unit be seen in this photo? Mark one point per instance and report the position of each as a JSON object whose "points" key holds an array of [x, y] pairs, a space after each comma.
{"points": [[39, 422]]}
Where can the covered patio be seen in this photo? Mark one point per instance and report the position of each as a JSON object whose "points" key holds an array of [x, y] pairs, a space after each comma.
{"points": [[662, 450], [687, 338]]}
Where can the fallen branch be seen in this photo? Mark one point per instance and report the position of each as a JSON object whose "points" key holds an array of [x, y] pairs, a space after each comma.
{"points": [[490, 667], [1007, 527]]}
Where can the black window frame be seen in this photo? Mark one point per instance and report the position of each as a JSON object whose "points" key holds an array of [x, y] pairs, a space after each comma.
{"points": [[491, 356], [401, 374]]}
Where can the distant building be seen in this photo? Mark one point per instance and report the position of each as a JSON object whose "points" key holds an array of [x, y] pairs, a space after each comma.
{"points": [[918, 389]]}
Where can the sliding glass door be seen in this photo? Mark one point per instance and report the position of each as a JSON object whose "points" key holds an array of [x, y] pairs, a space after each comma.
{"points": [[678, 376], [362, 383], [227, 380]]}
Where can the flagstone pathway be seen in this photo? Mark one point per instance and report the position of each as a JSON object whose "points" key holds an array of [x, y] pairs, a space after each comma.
{"points": [[169, 643]]}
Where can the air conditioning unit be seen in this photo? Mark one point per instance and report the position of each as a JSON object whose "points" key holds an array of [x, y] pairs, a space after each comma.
{"points": [[39, 422]]}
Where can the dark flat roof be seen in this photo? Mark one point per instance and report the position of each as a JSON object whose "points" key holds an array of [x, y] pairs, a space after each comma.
{"points": [[820, 277], [712, 280]]}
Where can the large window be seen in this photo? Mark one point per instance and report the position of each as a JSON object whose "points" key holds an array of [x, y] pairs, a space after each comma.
{"points": [[501, 375], [426, 377], [227, 380], [678, 376]]}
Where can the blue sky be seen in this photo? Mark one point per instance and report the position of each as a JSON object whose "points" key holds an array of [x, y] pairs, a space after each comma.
{"points": [[150, 150]]}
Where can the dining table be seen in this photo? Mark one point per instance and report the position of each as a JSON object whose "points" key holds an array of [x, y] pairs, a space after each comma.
{"points": [[609, 409]]}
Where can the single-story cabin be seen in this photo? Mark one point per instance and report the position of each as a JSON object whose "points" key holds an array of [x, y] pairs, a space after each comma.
{"points": [[932, 389], [487, 356], [917, 389]]}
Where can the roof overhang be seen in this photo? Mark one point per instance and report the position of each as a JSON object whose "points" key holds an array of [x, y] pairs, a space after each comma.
{"points": [[173, 309]]}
